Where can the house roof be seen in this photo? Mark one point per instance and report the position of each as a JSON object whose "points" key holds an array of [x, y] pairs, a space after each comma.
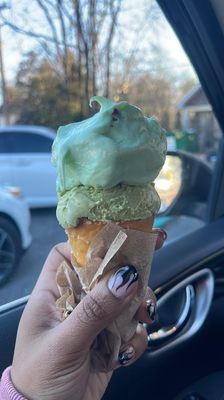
{"points": [[195, 97]]}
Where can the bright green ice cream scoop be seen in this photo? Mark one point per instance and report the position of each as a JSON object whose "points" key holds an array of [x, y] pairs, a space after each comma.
{"points": [[106, 165]]}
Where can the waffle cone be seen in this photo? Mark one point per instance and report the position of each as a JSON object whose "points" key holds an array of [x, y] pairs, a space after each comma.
{"points": [[111, 247], [82, 236]]}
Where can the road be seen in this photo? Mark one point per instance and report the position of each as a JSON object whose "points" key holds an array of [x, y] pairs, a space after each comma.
{"points": [[46, 233]]}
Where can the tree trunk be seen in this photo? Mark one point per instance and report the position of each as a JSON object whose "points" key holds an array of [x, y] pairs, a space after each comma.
{"points": [[82, 43], [93, 36], [64, 39], [114, 15], [3, 82]]}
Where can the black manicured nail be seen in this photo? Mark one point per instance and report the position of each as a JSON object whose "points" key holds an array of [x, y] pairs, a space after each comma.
{"points": [[126, 356], [151, 309], [122, 282], [164, 233]]}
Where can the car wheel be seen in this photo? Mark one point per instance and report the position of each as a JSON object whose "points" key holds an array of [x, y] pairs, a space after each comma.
{"points": [[10, 248]]}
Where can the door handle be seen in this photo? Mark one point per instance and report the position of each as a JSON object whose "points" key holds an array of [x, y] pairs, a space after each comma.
{"points": [[164, 334], [199, 290]]}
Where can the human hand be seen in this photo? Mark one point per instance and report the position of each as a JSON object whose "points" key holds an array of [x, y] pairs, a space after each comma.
{"points": [[52, 358]]}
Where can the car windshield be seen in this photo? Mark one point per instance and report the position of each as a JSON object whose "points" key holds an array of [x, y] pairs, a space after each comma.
{"points": [[53, 58]]}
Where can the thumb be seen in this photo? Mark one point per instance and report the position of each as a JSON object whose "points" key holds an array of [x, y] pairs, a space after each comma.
{"points": [[100, 307]]}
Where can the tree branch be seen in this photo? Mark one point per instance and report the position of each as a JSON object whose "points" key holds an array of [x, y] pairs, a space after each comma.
{"points": [[35, 35], [64, 39], [51, 24]]}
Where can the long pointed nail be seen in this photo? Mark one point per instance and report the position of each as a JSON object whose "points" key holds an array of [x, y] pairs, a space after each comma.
{"points": [[151, 309], [122, 283], [164, 233], [161, 232], [126, 356]]}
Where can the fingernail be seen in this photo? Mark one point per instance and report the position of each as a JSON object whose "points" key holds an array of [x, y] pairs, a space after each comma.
{"points": [[164, 233], [122, 282], [151, 309], [126, 356]]}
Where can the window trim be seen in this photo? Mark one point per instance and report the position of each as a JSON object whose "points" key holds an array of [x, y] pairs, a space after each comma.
{"points": [[190, 19]]}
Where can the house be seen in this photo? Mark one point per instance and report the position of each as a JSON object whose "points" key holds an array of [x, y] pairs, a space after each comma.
{"points": [[196, 115]]}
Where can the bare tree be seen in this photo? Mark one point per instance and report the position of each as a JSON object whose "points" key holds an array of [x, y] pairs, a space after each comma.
{"points": [[73, 41]]}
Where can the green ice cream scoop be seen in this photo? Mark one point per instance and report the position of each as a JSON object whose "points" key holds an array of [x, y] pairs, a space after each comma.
{"points": [[120, 203], [118, 145]]}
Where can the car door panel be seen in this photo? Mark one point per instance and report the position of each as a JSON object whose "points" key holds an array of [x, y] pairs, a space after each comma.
{"points": [[5, 158], [29, 166], [188, 254], [6, 173], [163, 372], [35, 175]]}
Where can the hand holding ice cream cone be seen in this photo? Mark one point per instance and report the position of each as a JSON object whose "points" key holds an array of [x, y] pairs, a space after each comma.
{"points": [[58, 354]]}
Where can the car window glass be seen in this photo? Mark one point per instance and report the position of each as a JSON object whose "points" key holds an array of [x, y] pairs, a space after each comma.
{"points": [[24, 142], [47, 80], [5, 143]]}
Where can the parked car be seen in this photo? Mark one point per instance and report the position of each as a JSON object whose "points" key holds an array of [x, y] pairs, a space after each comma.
{"points": [[15, 236], [25, 161], [184, 358]]}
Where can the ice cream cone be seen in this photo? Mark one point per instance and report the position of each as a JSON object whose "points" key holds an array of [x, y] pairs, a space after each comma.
{"points": [[81, 237], [107, 203], [136, 249]]}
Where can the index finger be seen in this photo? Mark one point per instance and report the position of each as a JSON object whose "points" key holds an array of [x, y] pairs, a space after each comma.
{"points": [[47, 278], [40, 311]]}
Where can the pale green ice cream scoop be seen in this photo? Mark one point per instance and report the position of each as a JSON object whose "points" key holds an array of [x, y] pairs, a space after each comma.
{"points": [[117, 145], [120, 203]]}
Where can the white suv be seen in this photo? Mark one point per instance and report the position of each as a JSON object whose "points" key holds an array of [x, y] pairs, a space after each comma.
{"points": [[25, 161], [15, 234]]}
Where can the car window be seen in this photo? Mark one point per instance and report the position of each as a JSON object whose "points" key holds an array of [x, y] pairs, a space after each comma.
{"points": [[24, 142], [4, 144], [132, 54]]}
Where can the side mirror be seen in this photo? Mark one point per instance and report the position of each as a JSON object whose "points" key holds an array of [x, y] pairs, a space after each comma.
{"points": [[184, 185], [169, 182]]}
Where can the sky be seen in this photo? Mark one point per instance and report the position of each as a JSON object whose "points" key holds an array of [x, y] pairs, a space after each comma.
{"points": [[16, 45]]}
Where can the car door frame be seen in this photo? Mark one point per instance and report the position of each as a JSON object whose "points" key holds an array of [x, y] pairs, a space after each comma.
{"points": [[190, 20]]}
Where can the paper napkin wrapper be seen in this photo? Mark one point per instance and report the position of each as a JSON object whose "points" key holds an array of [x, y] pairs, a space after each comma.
{"points": [[112, 248]]}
